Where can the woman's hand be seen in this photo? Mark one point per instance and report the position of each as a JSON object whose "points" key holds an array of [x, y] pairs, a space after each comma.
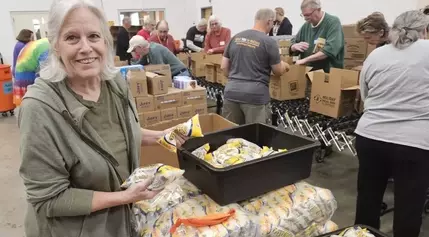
{"points": [[138, 192]]}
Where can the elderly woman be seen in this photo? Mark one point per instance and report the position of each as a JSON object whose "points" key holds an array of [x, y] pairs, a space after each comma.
{"points": [[217, 38], [161, 36], [393, 133], [374, 29], [80, 134]]}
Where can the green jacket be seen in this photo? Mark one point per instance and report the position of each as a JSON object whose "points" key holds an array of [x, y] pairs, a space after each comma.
{"points": [[329, 38], [159, 54], [64, 161]]}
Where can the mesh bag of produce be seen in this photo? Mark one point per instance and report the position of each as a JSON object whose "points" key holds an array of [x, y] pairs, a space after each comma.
{"points": [[293, 210], [237, 224]]}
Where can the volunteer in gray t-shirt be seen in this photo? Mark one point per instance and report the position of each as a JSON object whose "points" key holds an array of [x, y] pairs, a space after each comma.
{"points": [[248, 61]]}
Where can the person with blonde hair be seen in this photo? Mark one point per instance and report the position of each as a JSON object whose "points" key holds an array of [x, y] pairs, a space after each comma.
{"points": [[282, 25], [374, 29], [248, 61], [147, 29], [393, 134], [80, 136], [320, 41], [217, 37], [196, 36]]}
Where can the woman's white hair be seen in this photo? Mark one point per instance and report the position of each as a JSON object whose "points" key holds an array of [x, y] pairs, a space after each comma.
{"points": [[53, 68], [408, 27]]}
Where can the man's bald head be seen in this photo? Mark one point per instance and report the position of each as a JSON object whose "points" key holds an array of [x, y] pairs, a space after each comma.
{"points": [[126, 22]]}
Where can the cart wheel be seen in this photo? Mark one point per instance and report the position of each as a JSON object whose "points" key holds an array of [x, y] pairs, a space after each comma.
{"points": [[328, 151], [12, 112], [318, 155], [4, 114], [426, 210], [383, 207]]}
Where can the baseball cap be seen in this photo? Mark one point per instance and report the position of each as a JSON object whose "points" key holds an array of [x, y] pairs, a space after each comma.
{"points": [[136, 40]]}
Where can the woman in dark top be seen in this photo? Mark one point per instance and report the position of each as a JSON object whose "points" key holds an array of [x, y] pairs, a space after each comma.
{"points": [[282, 25], [374, 29]]}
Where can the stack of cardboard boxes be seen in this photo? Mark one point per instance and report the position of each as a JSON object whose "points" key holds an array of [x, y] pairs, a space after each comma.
{"points": [[355, 48], [284, 46], [156, 99]]}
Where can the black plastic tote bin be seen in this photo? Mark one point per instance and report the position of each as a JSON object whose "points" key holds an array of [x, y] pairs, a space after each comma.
{"points": [[253, 178], [373, 231]]}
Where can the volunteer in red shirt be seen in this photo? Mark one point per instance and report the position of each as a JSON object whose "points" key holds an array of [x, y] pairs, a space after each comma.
{"points": [[161, 36], [147, 29], [217, 38]]}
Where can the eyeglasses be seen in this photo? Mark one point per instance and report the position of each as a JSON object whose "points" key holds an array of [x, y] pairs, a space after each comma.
{"points": [[214, 24], [308, 15], [163, 31]]}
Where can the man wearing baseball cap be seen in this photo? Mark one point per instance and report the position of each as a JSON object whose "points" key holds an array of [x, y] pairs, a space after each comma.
{"points": [[153, 53]]}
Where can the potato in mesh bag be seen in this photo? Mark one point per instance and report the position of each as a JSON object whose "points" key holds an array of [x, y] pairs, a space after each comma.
{"points": [[191, 128], [267, 151], [161, 174], [355, 231], [201, 151], [238, 225], [244, 143]]}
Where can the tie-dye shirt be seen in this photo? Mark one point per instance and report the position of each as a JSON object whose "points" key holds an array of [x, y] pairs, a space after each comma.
{"points": [[28, 66]]}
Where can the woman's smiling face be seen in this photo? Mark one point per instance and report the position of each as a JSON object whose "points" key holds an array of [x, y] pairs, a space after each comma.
{"points": [[81, 45]]}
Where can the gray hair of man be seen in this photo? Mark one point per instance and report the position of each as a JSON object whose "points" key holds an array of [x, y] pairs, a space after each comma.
{"points": [[203, 22], [53, 68], [214, 18], [312, 4], [408, 27], [265, 14]]}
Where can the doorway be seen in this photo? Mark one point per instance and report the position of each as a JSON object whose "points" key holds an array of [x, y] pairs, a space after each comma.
{"points": [[206, 12], [34, 21]]}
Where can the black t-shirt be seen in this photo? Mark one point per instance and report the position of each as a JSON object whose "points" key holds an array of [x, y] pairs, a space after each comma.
{"points": [[196, 36]]}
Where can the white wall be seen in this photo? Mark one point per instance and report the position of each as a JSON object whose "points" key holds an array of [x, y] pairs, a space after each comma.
{"points": [[234, 16]]}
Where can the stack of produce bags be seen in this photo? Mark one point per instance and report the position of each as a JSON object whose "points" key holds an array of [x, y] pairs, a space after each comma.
{"points": [[299, 210], [181, 210], [355, 231]]}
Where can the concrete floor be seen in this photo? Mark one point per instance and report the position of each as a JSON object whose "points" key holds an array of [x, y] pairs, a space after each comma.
{"points": [[337, 173]]}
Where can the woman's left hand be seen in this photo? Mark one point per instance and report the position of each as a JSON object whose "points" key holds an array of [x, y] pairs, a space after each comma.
{"points": [[180, 139]]}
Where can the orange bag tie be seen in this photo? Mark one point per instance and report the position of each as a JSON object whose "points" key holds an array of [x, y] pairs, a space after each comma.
{"points": [[209, 220]]}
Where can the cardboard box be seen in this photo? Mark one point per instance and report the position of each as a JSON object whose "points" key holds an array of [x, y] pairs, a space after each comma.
{"points": [[158, 154], [352, 63], [149, 118], [145, 104], [289, 86], [350, 31], [120, 63], [184, 111], [214, 58], [194, 96], [162, 69], [198, 64], [210, 72], [199, 109], [138, 83], [172, 99], [168, 114], [157, 84], [284, 43], [355, 48], [334, 94], [183, 57]]}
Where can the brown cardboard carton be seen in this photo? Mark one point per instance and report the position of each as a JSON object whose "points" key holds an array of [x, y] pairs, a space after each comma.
{"points": [[355, 48], [145, 104], [172, 99], [158, 154], [334, 94], [168, 114], [116, 59], [214, 58], [194, 96], [157, 84], [120, 63], [184, 111], [138, 83], [290, 85], [210, 72], [284, 43], [352, 63], [350, 31], [149, 118], [198, 64], [183, 57], [199, 109], [162, 69]]}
